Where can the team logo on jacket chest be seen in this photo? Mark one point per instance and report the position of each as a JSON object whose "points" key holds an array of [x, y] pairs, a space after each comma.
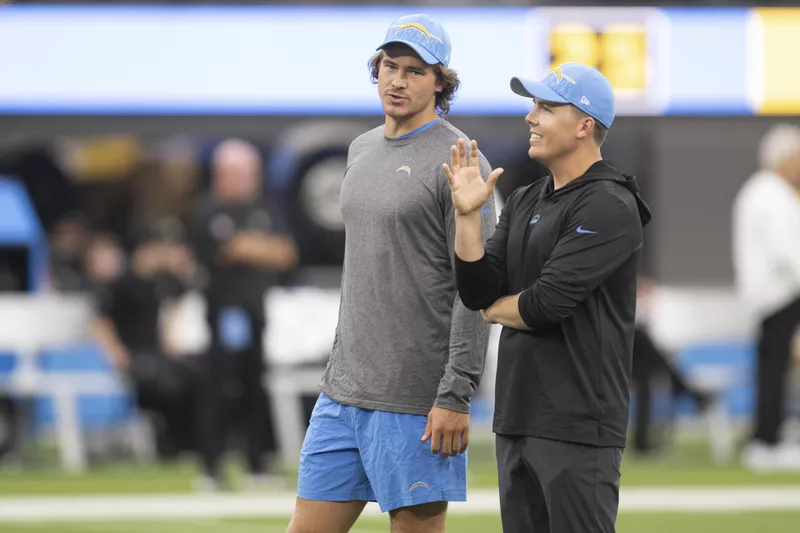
{"points": [[534, 219]]}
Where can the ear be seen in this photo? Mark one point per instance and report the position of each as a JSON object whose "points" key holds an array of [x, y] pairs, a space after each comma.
{"points": [[585, 127], [439, 79]]}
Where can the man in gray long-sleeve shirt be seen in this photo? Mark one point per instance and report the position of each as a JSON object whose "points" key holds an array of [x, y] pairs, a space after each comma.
{"points": [[392, 422]]}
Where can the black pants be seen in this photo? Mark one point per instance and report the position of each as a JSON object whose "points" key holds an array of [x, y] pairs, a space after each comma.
{"points": [[166, 389], [549, 486], [648, 362], [232, 393], [774, 355]]}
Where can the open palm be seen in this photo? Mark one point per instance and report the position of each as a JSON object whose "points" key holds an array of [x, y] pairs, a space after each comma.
{"points": [[467, 188]]}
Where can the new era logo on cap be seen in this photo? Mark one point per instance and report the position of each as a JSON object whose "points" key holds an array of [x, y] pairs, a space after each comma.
{"points": [[424, 35], [583, 86]]}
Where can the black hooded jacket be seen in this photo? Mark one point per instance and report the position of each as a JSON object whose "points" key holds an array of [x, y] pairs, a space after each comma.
{"points": [[573, 256]]}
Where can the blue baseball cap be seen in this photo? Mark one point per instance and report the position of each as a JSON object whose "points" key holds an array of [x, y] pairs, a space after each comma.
{"points": [[424, 35], [583, 86]]}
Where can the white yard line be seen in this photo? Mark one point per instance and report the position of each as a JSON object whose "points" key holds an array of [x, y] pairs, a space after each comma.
{"points": [[198, 507]]}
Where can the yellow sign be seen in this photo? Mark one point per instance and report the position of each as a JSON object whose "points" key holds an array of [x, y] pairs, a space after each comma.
{"points": [[778, 30], [619, 51]]}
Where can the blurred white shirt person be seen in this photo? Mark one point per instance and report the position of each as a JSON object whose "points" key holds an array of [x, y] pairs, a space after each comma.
{"points": [[766, 247]]}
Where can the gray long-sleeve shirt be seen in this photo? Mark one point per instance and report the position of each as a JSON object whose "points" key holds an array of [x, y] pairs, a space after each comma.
{"points": [[404, 341]]}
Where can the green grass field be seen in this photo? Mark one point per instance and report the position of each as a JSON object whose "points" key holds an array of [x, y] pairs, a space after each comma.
{"points": [[685, 465], [783, 522]]}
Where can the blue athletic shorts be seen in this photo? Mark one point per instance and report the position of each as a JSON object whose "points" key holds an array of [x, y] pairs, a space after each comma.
{"points": [[351, 453]]}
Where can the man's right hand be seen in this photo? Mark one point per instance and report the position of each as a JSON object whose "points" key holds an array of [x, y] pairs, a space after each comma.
{"points": [[467, 188]]}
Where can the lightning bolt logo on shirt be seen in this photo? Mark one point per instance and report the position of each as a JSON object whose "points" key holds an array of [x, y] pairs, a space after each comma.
{"points": [[405, 169]]}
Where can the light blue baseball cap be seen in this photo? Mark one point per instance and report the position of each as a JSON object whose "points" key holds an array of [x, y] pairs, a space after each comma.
{"points": [[424, 35], [583, 86]]}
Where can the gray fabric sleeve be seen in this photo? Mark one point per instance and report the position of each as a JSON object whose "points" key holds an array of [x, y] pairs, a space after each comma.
{"points": [[469, 333]]}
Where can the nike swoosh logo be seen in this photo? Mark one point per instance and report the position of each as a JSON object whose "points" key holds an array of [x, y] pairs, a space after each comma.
{"points": [[581, 230]]}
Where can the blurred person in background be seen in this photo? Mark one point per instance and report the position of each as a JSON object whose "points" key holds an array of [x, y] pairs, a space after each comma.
{"points": [[244, 249], [392, 421], [104, 260], [68, 243], [766, 245], [650, 361], [130, 306]]}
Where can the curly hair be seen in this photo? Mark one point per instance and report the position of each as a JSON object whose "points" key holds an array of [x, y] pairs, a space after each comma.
{"points": [[446, 77]]}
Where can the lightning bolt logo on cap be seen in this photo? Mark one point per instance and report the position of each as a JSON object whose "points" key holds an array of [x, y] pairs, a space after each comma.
{"points": [[418, 27]]}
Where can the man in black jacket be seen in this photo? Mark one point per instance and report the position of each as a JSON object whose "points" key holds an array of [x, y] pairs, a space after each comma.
{"points": [[559, 274], [245, 249]]}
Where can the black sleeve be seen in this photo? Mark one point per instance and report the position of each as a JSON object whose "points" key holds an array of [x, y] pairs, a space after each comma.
{"points": [[601, 232], [482, 282], [203, 244], [103, 297], [280, 220], [106, 299]]}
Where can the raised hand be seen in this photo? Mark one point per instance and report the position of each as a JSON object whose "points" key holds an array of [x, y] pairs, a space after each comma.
{"points": [[467, 188]]}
